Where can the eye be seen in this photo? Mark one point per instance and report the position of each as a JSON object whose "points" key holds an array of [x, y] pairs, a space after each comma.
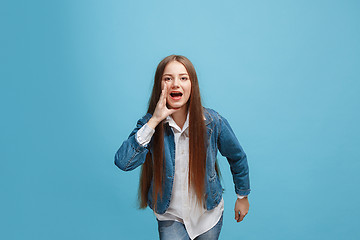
{"points": [[184, 78], [167, 78]]}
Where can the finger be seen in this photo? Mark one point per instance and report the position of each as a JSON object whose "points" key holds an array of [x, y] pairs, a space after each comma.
{"points": [[241, 217], [237, 216], [165, 90], [162, 99]]}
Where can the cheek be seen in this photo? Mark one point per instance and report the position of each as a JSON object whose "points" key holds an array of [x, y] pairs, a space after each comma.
{"points": [[164, 84]]}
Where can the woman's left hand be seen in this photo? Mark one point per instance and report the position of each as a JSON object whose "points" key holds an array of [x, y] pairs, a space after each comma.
{"points": [[241, 208]]}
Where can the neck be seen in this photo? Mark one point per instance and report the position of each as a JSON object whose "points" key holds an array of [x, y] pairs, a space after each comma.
{"points": [[180, 116]]}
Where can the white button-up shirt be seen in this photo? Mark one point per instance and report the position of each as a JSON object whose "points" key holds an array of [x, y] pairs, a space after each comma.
{"points": [[184, 206]]}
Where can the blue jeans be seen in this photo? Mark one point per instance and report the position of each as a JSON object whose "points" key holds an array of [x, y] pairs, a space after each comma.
{"points": [[173, 230]]}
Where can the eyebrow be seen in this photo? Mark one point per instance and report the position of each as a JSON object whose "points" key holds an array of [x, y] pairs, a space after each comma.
{"points": [[172, 75]]}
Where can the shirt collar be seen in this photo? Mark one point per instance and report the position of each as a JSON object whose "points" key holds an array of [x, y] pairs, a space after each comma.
{"points": [[173, 124]]}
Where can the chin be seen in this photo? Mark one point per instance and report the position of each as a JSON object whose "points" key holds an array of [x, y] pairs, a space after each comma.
{"points": [[176, 105]]}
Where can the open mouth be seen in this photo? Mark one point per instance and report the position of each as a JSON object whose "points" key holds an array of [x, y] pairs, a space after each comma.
{"points": [[176, 95]]}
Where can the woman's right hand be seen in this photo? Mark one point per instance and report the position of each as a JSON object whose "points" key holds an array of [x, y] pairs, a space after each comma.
{"points": [[161, 110]]}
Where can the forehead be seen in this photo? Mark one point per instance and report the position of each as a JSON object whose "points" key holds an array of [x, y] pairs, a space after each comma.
{"points": [[175, 67]]}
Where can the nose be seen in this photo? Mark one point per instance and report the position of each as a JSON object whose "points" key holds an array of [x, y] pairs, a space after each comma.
{"points": [[176, 83]]}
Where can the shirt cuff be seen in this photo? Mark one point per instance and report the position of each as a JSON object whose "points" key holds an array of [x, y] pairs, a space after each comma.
{"points": [[240, 197], [144, 135]]}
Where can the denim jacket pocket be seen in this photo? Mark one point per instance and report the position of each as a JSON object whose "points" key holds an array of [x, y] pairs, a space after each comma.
{"points": [[215, 188]]}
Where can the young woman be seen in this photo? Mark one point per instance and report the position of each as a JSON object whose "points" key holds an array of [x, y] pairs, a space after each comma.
{"points": [[176, 144]]}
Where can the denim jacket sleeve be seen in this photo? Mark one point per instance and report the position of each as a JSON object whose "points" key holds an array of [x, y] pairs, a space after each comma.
{"points": [[131, 154], [230, 148]]}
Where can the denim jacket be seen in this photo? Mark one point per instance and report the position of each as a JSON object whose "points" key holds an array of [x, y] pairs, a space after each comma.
{"points": [[220, 137]]}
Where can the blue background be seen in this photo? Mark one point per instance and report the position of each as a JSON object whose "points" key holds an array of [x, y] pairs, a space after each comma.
{"points": [[76, 76]]}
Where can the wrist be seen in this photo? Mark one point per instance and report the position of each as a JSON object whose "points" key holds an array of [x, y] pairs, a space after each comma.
{"points": [[242, 196], [153, 122]]}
